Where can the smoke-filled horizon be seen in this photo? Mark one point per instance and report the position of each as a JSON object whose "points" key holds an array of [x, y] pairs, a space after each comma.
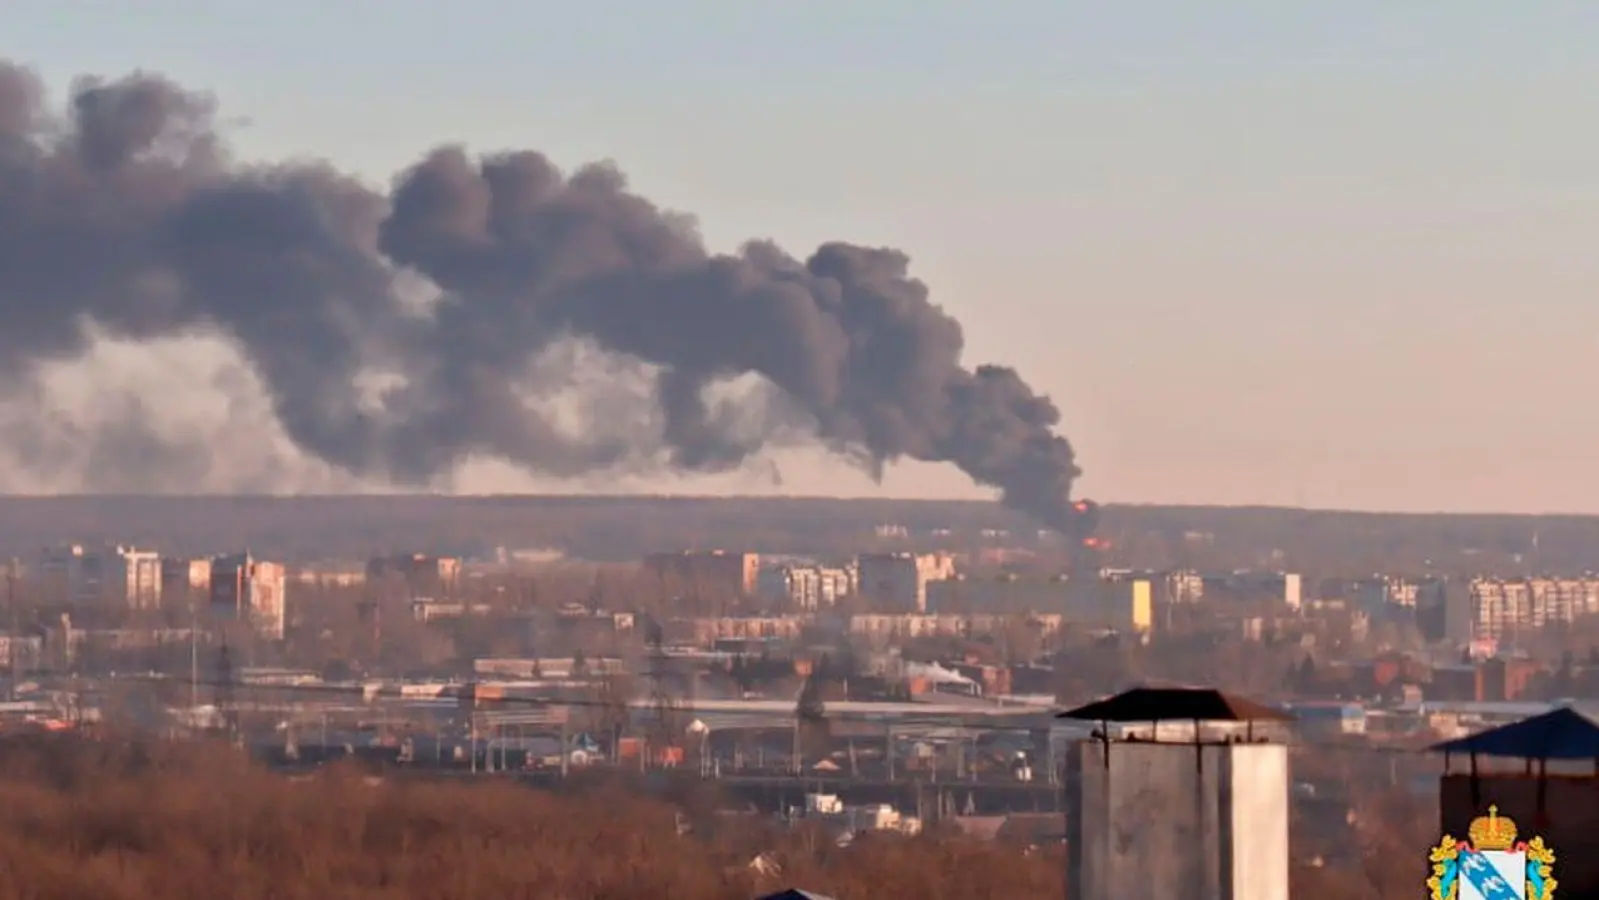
{"points": [[399, 335]]}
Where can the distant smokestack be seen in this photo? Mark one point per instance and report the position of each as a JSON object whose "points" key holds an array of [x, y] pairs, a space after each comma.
{"points": [[127, 213]]}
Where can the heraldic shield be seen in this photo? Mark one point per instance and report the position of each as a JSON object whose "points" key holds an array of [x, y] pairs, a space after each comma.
{"points": [[1492, 865]]}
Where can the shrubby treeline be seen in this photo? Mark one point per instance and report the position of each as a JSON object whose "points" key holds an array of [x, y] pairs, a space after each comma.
{"points": [[133, 820]]}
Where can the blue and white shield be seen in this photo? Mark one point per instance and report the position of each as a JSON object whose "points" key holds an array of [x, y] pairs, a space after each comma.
{"points": [[1493, 875]]}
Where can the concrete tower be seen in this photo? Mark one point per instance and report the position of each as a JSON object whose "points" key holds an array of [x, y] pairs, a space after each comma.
{"points": [[1179, 794]]}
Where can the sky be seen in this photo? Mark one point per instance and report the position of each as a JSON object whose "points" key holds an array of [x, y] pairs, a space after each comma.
{"points": [[1312, 254]]}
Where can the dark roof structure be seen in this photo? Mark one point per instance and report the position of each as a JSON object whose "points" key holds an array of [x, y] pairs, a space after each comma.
{"points": [[1563, 734], [1165, 704], [794, 894]]}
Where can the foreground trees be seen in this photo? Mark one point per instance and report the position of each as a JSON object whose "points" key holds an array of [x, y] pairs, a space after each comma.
{"points": [[134, 821]]}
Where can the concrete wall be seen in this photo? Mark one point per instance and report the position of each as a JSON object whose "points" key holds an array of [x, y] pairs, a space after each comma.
{"points": [[1260, 784], [1567, 817], [1157, 821]]}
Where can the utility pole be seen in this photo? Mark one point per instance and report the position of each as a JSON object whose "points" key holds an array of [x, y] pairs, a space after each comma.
{"points": [[13, 648], [224, 691], [194, 652]]}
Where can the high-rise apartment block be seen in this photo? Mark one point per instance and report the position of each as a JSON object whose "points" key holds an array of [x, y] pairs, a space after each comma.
{"points": [[185, 578], [249, 590], [423, 574], [714, 571], [1503, 606], [80, 575], [806, 586], [897, 582]]}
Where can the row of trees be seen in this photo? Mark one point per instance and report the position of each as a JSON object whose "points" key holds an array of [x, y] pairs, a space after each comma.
{"points": [[622, 528], [130, 820], [174, 822]]}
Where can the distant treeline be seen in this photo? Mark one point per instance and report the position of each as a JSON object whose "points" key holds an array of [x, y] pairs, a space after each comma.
{"points": [[617, 528]]}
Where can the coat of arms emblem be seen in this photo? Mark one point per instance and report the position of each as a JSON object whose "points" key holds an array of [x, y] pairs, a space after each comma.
{"points": [[1492, 865]]}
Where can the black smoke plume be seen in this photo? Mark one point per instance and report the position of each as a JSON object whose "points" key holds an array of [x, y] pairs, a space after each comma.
{"points": [[125, 216]]}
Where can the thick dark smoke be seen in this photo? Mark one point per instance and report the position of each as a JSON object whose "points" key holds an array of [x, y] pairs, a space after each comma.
{"points": [[125, 216]]}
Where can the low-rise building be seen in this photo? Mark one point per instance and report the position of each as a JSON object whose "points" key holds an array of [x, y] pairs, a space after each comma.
{"points": [[882, 627], [1319, 720], [706, 630]]}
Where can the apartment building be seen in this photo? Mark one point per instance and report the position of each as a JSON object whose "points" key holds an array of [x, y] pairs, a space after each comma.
{"points": [[183, 577], [250, 590], [1503, 606], [1003, 594], [901, 626], [423, 574], [714, 571], [1444, 611], [80, 575], [806, 586], [1247, 585], [707, 630], [897, 582], [1125, 603], [1185, 586]]}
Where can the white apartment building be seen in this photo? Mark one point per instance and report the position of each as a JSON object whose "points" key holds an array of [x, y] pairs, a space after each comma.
{"points": [[1240, 584], [807, 586], [250, 590], [124, 575], [1502, 606], [180, 576], [1185, 586]]}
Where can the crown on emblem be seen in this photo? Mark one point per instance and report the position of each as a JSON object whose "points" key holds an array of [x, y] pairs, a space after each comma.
{"points": [[1493, 831]]}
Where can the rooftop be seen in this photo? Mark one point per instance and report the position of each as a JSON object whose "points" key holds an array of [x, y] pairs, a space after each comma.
{"points": [[1560, 734], [1163, 704]]}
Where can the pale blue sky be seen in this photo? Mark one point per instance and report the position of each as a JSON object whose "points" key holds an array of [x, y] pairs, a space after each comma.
{"points": [[1333, 253]]}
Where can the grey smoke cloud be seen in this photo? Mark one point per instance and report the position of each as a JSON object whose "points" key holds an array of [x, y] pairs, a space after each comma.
{"points": [[123, 214]]}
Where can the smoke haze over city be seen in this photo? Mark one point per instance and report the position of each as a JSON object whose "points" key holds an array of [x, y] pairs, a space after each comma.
{"points": [[486, 306], [1296, 256]]}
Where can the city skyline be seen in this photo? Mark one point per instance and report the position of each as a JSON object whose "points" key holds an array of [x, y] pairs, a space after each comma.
{"points": [[1330, 259]]}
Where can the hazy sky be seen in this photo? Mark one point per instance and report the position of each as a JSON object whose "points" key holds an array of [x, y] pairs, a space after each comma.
{"points": [[1330, 254]]}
